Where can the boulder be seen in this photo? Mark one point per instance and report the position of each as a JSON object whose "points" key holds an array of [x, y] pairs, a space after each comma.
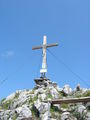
{"points": [[88, 116], [40, 106], [10, 97], [24, 112], [81, 109], [67, 90], [67, 116], [78, 87], [44, 116], [54, 93]]}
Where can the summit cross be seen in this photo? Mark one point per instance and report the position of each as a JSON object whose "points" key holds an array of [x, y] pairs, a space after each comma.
{"points": [[44, 47]]}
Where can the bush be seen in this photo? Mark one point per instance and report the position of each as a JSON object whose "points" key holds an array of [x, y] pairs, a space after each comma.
{"points": [[14, 117], [35, 112], [16, 95], [6, 105], [86, 94], [54, 109], [64, 105], [49, 96], [3, 100]]}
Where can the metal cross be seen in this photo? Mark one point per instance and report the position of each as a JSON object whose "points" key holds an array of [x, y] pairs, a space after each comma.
{"points": [[44, 47]]}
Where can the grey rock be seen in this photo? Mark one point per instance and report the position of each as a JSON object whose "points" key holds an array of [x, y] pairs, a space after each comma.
{"points": [[23, 102], [67, 116], [88, 116], [81, 109], [24, 112], [44, 116], [54, 93], [41, 107], [67, 90], [78, 87]]}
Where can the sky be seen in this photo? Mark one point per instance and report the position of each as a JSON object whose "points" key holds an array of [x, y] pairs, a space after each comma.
{"points": [[23, 23]]}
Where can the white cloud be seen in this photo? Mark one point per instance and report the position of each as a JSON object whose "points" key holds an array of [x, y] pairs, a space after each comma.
{"points": [[8, 53]]}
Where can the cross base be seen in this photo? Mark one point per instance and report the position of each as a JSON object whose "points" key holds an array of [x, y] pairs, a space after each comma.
{"points": [[43, 72], [44, 82]]}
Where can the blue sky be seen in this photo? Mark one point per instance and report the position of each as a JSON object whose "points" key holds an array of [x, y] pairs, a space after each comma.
{"points": [[23, 24]]}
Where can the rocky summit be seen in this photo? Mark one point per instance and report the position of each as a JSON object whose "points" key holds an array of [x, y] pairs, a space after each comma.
{"points": [[31, 105]]}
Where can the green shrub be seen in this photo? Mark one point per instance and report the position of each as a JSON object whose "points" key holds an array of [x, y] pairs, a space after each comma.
{"points": [[79, 94], [35, 98], [3, 100], [86, 94], [30, 100], [64, 105], [63, 94], [17, 95], [35, 112], [14, 117], [32, 92], [54, 109], [49, 96], [6, 105], [78, 115]]}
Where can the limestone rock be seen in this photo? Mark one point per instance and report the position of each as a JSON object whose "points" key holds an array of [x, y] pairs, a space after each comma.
{"points": [[44, 116], [78, 87], [10, 97], [81, 109], [31, 105], [67, 116], [54, 93], [88, 116], [41, 107], [24, 112], [67, 90]]}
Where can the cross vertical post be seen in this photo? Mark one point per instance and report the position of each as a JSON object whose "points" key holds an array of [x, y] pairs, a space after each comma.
{"points": [[44, 47], [43, 70]]}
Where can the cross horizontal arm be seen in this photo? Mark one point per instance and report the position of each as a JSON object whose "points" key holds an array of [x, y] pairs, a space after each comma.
{"points": [[49, 45], [36, 47], [52, 45]]}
